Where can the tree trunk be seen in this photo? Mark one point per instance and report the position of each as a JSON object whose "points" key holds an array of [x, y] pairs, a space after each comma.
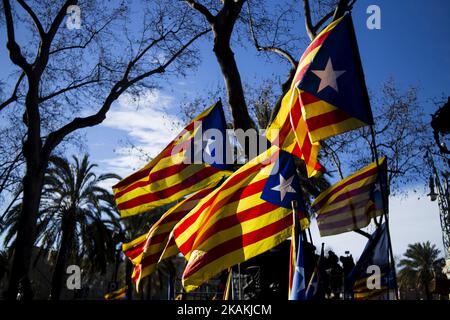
{"points": [[68, 229], [223, 28], [427, 292], [32, 187], [233, 83]]}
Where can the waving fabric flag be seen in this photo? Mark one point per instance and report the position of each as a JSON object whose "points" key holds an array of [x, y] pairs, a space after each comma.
{"points": [[186, 165], [298, 287], [351, 203], [148, 250], [328, 95], [333, 92], [364, 282], [314, 289], [298, 141], [247, 215]]}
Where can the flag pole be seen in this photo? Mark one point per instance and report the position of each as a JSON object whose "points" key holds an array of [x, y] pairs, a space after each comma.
{"points": [[294, 246], [239, 281], [228, 285], [385, 211], [374, 149], [295, 223]]}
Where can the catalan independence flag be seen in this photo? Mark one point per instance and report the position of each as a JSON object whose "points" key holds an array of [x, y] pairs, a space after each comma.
{"points": [[247, 215], [294, 139], [351, 203], [297, 285], [314, 290], [333, 93], [369, 285], [186, 165], [328, 95], [146, 251]]}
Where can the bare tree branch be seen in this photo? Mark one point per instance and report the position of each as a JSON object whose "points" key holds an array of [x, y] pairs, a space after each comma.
{"points": [[88, 41], [322, 21], [202, 9], [273, 49], [33, 16], [13, 96], [57, 136], [59, 19], [312, 29], [340, 9], [47, 39], [308, 20], [72, 86], [15, 52]]}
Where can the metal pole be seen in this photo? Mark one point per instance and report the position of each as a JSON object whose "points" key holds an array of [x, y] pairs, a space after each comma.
{"points": [[239, 281], [385, 212], [295, 223], [232, 284]]}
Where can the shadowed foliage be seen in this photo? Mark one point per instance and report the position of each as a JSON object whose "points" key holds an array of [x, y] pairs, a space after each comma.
{"points": [[420, 265]]}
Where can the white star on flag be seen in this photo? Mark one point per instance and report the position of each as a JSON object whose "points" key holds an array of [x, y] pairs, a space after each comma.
{"points": [[377, 187], [328, 77], [284, 186], [208, 148]]}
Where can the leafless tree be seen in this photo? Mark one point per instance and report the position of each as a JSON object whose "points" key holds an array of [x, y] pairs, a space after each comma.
{"points": [[222, 19], [275, 36], [402, 135], [70, 79]]}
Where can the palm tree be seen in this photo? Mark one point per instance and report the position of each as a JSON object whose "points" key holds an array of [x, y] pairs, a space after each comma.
{"points": [[419, 267], [77, 218], [82, 212]]}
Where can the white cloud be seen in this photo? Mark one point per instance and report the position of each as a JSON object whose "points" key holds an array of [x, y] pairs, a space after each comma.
{"points": [[411, 220], [146, 124]]}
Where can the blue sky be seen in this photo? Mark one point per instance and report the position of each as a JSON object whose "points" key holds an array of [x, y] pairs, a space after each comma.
{"points": [[412, 47]]}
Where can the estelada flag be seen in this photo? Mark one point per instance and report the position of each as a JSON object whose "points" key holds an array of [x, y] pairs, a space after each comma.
{"points": [[333, 93], [328, 95], [146, 251], [351, 203], [376, 255], [186, 165], [248, 214]]}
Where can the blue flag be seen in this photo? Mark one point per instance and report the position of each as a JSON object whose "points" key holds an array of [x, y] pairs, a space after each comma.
{"points": [[335, 74], [210, 143], [375, 258], [298, 291], [283, 185], [315, 286]]}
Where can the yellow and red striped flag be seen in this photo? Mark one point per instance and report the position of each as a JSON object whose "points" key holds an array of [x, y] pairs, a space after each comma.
{"points": [[351, 203], [298, 141], [174, 173], [247, 215], [146, 251]]}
